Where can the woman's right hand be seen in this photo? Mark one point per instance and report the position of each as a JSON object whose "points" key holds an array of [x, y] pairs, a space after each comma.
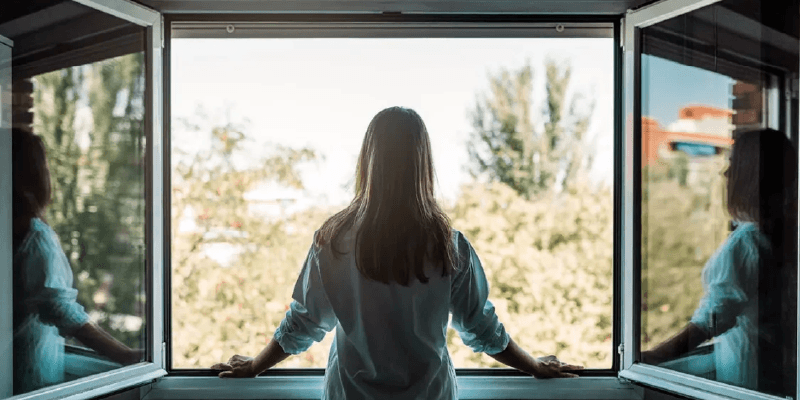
{"points": [[551, 367]]}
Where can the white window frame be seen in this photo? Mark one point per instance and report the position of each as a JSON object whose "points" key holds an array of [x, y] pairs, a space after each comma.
{"points": [[147, 371], [472, 385], [649, 375]]}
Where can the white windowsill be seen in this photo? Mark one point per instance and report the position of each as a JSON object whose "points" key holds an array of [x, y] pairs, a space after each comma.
{"points": [[470, 387]]}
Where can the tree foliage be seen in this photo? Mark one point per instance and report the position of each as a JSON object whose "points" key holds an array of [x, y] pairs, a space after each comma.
{"points": [[548, 262], [218, 309], [544, 230], [507, 146]]}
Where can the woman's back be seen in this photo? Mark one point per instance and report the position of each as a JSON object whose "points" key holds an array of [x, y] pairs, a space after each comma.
{"points": [[391, 339]]}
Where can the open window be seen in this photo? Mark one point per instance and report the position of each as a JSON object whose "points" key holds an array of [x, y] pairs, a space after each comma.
{"points": [[267, 118], [710, 289], [81, 85]]}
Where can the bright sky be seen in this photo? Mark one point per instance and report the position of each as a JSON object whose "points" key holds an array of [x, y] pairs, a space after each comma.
{"points": [[322, 93], [668, 86]]}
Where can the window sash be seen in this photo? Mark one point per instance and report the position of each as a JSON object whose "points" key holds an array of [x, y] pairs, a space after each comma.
{"points": [[690, 385], [665, 379], [147, 371]]}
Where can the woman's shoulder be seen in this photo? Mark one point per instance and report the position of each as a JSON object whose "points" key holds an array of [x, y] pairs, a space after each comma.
{"points": [[745, 247], [40, 237], [748, 234], [460, 241]]}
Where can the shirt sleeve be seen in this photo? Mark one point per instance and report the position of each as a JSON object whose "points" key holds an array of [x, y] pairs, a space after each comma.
{"points": [[725, 295], [474, 317], [310, 314], [47, 284]]}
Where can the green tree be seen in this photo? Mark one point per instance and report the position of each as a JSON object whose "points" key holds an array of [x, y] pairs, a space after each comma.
{"points": [[505, 144], [548, 263], [224, 308], [542, 229]]}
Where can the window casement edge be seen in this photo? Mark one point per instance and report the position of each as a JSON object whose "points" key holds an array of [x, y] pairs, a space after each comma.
{"points": [[664, 10], [97, 385], [6, 41], [469, 387], [690, 386], [124, 9]]}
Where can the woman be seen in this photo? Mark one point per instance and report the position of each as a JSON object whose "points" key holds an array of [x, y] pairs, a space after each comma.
{"points": [[45, 309], [386, 272], [750, 282]]}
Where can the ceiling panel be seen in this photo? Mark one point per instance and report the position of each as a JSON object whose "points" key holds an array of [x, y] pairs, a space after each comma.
{"points": [[601, 7]]}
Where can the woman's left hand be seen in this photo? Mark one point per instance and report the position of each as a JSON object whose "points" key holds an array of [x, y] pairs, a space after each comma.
{"points": [[237, 367]]}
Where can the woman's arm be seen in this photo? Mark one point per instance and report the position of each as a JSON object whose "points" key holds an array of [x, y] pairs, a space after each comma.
{"points": [[544, 367], [309, 318], [476, 321], [102, 342], [248, 367], [686, 340]]}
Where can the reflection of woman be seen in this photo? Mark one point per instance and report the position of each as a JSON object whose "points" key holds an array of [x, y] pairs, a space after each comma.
{"points": [[45, 309], [386, 272], [750, 282]]}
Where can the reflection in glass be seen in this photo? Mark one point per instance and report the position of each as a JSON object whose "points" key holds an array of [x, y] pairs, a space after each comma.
{"points": [[78, 196], [719, 189]]}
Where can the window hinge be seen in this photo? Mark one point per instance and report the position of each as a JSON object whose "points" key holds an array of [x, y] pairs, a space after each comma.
{"points": [[164, 355], [622, 33], [621, 352]]}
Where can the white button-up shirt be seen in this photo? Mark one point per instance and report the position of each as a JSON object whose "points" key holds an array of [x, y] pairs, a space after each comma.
{"points": [[390, 340], [730, 280]]}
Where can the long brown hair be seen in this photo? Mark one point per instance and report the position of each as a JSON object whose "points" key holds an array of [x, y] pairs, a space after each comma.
{"points": [[31, 191], [399, 223], [762, 188], [762, 179]]}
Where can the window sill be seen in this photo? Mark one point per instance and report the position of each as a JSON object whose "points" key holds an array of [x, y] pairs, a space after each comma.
{"points": [[470, 387]]}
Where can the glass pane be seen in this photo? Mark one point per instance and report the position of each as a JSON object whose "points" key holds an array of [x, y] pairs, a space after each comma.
{"points": [[265, 137], [79, 205], [719, 186]]}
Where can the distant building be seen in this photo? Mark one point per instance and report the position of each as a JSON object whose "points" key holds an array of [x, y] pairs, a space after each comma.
{"points": [[700, 132]]}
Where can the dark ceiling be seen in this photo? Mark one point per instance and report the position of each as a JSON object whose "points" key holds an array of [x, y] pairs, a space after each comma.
{"points": [[14, 9]]}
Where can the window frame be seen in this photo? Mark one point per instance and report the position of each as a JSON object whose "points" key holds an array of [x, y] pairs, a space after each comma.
{"points": [[153, 367], [632, 369], [6, 251], [481, 382]]}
